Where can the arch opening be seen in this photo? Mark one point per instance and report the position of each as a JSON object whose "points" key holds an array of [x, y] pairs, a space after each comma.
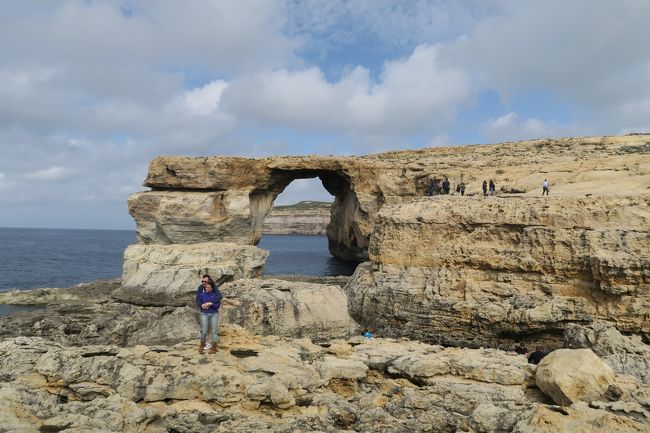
{"points": [[300, 223]]}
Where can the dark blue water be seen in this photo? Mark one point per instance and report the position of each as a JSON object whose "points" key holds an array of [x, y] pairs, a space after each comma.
{"points": [[301, 255], [33, 258]]}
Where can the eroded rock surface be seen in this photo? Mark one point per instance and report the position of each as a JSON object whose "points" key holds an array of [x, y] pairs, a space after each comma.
{"points": [[169, 274], [296, 309], [625, 354], [281, 385], [483, 270]]}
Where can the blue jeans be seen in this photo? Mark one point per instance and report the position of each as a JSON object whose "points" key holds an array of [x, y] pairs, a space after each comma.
{"points": [[212, 319]]}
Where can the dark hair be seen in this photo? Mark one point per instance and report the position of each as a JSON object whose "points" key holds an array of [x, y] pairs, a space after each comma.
{"points": [[207, 276]]}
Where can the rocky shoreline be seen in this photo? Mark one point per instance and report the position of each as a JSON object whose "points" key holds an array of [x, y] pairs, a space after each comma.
{"points": [[76, 376], [449, 287]]}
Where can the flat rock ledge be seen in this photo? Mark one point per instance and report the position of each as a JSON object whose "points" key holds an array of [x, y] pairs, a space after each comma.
{"points": [[290, 309], [160, 275], [274, 384]]}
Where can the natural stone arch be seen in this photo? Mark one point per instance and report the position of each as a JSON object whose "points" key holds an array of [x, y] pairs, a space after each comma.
{"points": [[345, 240], [197, 200]]}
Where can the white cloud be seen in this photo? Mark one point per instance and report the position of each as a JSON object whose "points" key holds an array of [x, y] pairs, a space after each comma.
{"points": [[413, 94], [48, 174], [509, 127], [593, 56], [205, 100], [302, 190], [4, 184]]}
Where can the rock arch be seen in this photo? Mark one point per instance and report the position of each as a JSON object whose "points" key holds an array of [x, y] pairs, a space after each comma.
{"points": [[195, 200]]}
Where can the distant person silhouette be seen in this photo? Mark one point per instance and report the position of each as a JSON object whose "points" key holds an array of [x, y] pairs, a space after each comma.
{"points": [[484, 188], [545, 187], [492, 187]]}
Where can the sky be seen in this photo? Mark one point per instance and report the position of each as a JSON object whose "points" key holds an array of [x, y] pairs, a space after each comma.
{"points": [[91, 91]]}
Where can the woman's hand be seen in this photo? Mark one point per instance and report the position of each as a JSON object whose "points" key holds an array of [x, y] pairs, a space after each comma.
{"points": [[206, 305]]}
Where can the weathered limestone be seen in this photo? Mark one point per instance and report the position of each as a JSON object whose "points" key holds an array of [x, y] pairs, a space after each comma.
{"points": [[86, 314], [476, 271], [276, 384], [625, 355], [169, 274], [304, 218], [276, 307], [572, 375], [238, 192]]}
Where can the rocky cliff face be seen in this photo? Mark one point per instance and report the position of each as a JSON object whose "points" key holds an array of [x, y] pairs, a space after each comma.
{"points": [[479, 270], [467, 270], [227, 198], [304, 218], [571, 270]]}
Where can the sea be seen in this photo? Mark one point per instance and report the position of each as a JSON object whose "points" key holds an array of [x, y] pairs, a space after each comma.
{"points": [[34, 258]]}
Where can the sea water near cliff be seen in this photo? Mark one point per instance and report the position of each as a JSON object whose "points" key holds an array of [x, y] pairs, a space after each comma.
{"points": [[33, 258]]}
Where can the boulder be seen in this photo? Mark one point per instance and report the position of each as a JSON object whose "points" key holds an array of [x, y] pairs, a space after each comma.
{"points": [[169, 274], [571, 375], [291, 309], [625, 354]]}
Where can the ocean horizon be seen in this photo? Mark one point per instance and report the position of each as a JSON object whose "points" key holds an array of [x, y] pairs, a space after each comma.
{"points": [[44, 257]]}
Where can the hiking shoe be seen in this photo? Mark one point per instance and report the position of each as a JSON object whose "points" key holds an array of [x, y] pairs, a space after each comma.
{"points": [[207, 345], [213, 348]]}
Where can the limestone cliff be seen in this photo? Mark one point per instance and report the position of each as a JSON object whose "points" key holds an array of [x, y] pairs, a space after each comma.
{"points": [[468, 270], [304, 218], [479, 270], [227, 198]]}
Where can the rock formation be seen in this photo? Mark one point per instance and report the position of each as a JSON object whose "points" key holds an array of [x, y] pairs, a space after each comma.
{"points": [[281, 385], [304, 218], [456, 270], [471, 272], [480, 270]]}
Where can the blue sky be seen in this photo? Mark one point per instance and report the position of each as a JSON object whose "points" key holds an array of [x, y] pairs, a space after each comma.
{"points": [[91, 91]]}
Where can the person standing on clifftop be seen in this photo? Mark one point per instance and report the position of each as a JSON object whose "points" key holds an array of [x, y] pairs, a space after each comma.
{"points": [[484, 188], [544, 187], [492, 187], [209, 301]]}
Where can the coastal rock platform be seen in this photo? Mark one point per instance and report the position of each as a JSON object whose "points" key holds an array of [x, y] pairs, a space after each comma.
{"points": [[276, 384]]}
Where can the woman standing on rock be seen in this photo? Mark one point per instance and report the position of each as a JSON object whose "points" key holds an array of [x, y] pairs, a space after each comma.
{"points": [[209, 301]]}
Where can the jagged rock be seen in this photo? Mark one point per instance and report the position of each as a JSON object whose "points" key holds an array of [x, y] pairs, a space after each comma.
{"points": [[478, 271], [292, 309], [237, 193], [484, 365], [277, 385], [86, 314], [571, 375], [170, 274], [578, 418], [626, 355]]}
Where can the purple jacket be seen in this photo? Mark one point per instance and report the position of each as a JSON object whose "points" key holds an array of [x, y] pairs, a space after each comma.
{"points": [[214, 297]]}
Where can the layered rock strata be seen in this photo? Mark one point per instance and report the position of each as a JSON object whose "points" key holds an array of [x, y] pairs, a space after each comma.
{"points": [[169, 274], [292, 309], [281, 385], [484, 270], [227, 198], [304, 218], [88, 314]]}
